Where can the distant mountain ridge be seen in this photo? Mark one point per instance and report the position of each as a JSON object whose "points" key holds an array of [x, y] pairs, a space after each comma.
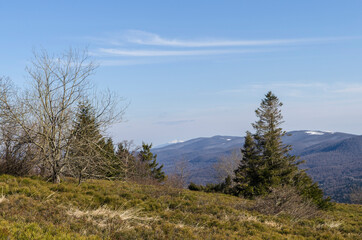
{"points": [[334, 159]]}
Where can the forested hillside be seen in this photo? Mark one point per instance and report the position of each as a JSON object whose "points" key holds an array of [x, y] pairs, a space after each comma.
{"points": [[332, 159]]}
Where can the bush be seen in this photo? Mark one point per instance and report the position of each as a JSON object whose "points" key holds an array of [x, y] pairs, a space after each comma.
{"points": [[223, 187], [195, 187], [356, 195], [286, 200]]}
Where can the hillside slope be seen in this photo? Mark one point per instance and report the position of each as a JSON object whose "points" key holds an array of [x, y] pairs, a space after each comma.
{"points": [[202, 153], [332, 159], [34, 209], [337, 166]]}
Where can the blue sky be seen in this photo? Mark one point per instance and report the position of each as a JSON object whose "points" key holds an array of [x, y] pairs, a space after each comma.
{"points": [[200, 68]]}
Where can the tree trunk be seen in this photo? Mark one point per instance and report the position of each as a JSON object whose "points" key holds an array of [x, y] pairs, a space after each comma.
{"points": [[55, 176], [79, 178]]}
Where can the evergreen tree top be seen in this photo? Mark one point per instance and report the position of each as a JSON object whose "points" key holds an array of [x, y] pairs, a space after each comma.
{"points": [[270, 116], [85, 124]]}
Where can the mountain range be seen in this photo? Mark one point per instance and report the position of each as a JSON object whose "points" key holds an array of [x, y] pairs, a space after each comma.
{"points": [[333, 159]]}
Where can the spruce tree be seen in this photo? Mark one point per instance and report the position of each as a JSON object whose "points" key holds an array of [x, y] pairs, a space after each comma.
{"points": [[108, 148], [266, 161], [86, 151], [280, 167], [124, 165], [249, 175], [109, 169], [151, 166], [126, 161]]}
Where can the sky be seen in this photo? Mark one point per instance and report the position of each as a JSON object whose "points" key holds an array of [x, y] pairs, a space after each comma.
{"points": [[197, 68]]}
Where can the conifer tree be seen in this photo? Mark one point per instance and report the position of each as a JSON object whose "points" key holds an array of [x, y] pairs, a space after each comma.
{"points": [[151, 166], [248, 176], [108, 148], [266, 161], [125, 161], [109, 169], [87, 154], [124, 164], [280, 166]]}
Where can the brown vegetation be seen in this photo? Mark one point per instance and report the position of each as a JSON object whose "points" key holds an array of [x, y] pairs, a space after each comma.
{"points": [[285, 200]]}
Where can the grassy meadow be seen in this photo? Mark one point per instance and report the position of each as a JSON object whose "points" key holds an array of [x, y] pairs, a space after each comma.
{"points": [[31, 208]]}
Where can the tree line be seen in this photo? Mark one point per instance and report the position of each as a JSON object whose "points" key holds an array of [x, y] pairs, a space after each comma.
{"points": [[55, 128]]}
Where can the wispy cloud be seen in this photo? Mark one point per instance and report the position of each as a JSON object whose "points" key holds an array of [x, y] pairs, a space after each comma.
{"points": [[290, 85], [165, 53], [137, 47], [125, 62], [300, 89], [146, 38], [350, 89]]}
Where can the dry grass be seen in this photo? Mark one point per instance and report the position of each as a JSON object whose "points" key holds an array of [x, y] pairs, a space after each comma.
{"points": [[104, 216], [273, 224], [330, 225], [257, 219], [3, 197], [248, 218]]}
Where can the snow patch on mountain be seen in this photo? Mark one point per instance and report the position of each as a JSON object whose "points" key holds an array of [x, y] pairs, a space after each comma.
{"points": [[314, 133], [318, 132], [329, 132], [176, 141], [169, 143]]}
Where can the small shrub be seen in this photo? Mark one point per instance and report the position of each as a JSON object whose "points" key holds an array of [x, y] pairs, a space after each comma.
{"points": [[285, 200], [356, 195], [223, 187], [175, 181], [195, 187]]}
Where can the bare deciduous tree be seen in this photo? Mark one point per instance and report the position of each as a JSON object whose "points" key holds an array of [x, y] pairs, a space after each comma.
{"points": [[45, 112], [127, 162], [17, 157], [180, 174], [227, 165]]}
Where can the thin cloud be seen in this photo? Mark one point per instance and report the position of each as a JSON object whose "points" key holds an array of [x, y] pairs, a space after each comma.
{"points": [[350, 89], [125, 62], [300, 89], [146, 38], [165, 53], [128, 47], [289, 85]]}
